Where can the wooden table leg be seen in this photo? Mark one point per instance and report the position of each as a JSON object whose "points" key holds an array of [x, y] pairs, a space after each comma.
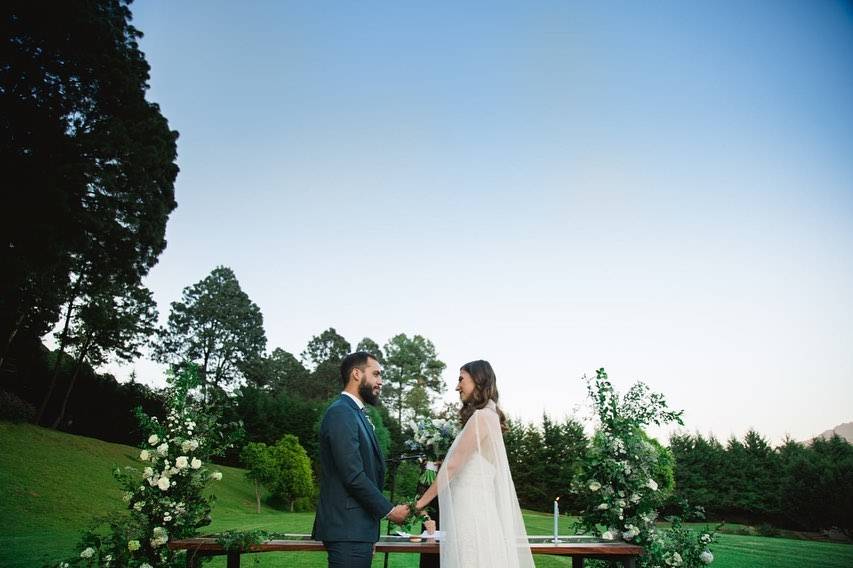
{"points": [[233, 559], [629, 562], [577, 561]]}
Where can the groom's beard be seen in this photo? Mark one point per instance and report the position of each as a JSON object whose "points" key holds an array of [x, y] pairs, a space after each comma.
{"points": [[366, 393]]}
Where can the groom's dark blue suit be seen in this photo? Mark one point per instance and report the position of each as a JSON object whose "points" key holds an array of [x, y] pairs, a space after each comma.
{"points": [[353, 472]]}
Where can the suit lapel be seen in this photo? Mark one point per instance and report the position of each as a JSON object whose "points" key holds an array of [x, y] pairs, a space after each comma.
{"points": [[371, 433], [367, 426]]}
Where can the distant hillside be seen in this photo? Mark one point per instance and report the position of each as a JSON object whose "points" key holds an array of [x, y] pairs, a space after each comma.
{"points": [[844, 430]]}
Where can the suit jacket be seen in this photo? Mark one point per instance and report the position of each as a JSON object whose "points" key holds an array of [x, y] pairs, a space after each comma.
{"points": [[352, 474]]}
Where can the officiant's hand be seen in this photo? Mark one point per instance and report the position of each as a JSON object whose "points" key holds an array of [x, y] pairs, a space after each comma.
{"points": [[398, 514]]}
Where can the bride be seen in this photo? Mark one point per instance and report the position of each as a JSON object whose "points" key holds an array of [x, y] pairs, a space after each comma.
{"points": [[480, 516]]}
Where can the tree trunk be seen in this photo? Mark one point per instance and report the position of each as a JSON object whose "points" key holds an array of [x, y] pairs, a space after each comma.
{"points": [[258, 496], [203, 376], [77, 365], [62, 340], [12, 335]]}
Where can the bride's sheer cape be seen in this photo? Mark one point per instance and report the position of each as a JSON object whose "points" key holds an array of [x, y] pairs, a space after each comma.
{"points": [[480, 515]]}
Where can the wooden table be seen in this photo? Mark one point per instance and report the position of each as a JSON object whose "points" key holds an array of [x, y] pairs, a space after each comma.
{"points": [[579, 548]]}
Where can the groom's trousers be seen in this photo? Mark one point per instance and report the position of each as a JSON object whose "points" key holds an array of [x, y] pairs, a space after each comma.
{"points": [[349, 554]]}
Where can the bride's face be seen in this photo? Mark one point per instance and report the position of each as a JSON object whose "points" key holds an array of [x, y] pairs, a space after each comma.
{"points": [[465, 386]]}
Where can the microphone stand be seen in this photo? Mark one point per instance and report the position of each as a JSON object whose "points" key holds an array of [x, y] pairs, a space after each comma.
{"points": [[393, 464]]}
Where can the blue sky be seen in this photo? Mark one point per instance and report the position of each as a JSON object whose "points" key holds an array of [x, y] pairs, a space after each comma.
{"points": [[663, 189]]}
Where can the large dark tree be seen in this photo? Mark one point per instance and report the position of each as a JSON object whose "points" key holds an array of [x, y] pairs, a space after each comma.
{"points": [[88, 163], [216, 326]]}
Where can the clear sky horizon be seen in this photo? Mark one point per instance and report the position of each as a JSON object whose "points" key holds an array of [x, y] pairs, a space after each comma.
{"points": [[664, 190]]}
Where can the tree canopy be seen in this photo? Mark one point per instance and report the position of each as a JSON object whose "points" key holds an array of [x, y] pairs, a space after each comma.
{"points": [[89, 161]]}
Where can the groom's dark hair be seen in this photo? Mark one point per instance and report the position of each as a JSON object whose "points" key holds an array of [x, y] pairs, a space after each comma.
{"points": [[352, 361]]}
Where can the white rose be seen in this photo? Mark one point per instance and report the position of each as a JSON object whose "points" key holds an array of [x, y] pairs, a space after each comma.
{"points": [[652, 484], [594, 486], [173, 471], [148, 472], [163, 484], [133, 545], [163, 449], [635, 498], [676, 559], [603, 507], [216, 475], [705, 538], [181, 462], [87, 552], [144, 455], [127, 496], [196, 463], [153, 439], [706, 557], [607, 535], [167, 517], [138, 505]]}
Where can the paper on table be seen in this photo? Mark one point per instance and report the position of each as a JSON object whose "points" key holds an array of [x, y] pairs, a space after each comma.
{"points": [[436, 535]]}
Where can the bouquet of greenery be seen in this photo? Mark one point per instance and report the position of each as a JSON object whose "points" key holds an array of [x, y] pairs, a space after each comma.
{"points": [[432, 438]]}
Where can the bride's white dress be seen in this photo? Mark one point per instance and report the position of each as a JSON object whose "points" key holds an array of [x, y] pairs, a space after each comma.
{"points": [[480, 516]]}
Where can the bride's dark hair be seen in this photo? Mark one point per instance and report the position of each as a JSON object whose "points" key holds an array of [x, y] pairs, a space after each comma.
{"points": [[485, 389]]}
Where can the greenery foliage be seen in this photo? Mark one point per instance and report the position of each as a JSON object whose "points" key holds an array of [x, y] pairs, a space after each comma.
{"points": [[626, 477], [284, 469], [796, 485], [13, 409]]}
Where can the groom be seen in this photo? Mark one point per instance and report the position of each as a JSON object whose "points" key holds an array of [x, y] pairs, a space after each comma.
{"points": [[353, 470]]}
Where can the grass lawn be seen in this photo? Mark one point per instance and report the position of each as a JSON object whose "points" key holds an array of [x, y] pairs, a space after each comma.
{"points": [[53, 484]]}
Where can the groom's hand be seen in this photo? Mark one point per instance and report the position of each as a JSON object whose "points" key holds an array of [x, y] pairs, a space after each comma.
{"points": [[398, 514]]}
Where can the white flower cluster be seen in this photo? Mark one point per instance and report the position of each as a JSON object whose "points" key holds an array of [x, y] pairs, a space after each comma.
{"points": [[673, 559], [630, 532], [160, 537]]}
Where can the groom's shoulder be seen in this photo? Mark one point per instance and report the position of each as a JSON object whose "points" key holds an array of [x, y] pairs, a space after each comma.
{"points": [[338, 407]]}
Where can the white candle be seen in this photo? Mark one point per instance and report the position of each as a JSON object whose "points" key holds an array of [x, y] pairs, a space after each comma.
{"points": [[556, 518]]}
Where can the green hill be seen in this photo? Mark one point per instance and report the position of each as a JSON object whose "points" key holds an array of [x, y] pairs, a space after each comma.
{"points": [[53, 484]]}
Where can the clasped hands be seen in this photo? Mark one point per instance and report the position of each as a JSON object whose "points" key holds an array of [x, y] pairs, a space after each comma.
{"points": [[402, 512]]}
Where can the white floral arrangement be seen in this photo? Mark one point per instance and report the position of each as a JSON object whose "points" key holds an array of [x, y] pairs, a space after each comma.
{"points": [[431, 437], [618, 488], [164, 497]]}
